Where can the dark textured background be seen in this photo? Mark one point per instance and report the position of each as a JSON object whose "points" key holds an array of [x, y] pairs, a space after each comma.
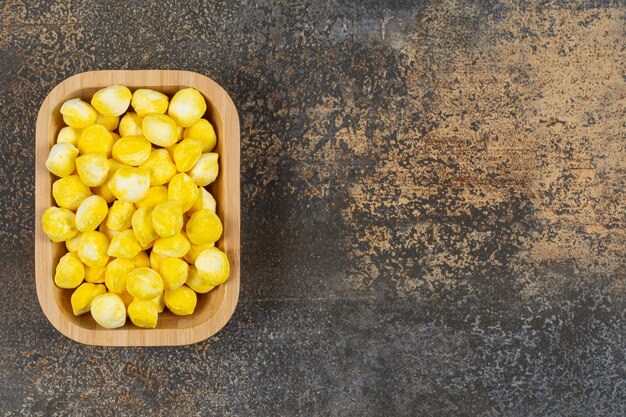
{"points": [[433, 208]]}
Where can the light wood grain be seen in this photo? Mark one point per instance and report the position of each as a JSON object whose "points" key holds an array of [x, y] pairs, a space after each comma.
{"points": [[215, 308]]}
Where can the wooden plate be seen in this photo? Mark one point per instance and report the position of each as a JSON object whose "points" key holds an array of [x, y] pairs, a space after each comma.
{"points": [[215, 308]]}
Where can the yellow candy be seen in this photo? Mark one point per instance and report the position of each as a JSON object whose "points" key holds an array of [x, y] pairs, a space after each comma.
{"points": [[72, 244], [204, 201], [159, 302], [142, 260], [126, 299], [144, 283], [115, 275], [142, 226], [170, 151], [105, 192], [130, 184], [174, 272], [116, 137], [109, 311], [132, 150], [202, 130], [92, 249], [206, 169], [130, 125], [120, 215], [167, 218], [213, 266], [182, 189], [69, 192], [179, 133], [92, 168], [156, 195], [181, 301], [146, 101], [112, 100], [124, 245], [196, 283], [62, 159], [160, 166], [109, 122], [176, 246], [148, 246], [59, 224], [108, 232], [95, 275], [70, 271], [187, 153], [160, 129], [195, 251], [143, 313], [91, 212], [187, 107], [69, 135], [78, 114], [155, 260], [204, 227], [95, 138], [83, 296]]}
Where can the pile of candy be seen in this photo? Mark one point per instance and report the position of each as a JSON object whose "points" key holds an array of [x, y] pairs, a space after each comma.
{"points": [[138, 223]]}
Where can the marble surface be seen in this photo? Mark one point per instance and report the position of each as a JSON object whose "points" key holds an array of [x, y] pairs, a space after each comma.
{"points": [[433, 208]]}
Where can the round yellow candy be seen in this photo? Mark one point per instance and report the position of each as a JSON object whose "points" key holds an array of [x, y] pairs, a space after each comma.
{"points": [[142, 226], [196, 283], [95, 275], [167, 218], [186, 153], [206, 170], [70, 271], [160, 166], [105, 192], [126, 299], [112, 100], [69, 135], [144, 283], [95, 138], [174, 272], [92, 249], [69, 192], [142, 260], [120, 215], [146, 101], [91, 212], [204, 201], [83, 296], [130, 184], [159, 129], [62, 159], [204, 227], [195, 251], [156, 194], [92, 168], [78, 114], [202, 130], [187, 107], [159, 302], [176, 246], [143, 313], [109, 122], [132, 150], [213, 266], [72, 244], [108, 310], [181, 301], [155, 260], [124, 245], [115, 275], [182, 189], [60, 224], [108, 232], [130, 125], [116, 137]]}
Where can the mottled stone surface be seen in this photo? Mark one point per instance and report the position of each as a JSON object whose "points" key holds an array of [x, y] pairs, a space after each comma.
{"points": [[433, 208]]}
